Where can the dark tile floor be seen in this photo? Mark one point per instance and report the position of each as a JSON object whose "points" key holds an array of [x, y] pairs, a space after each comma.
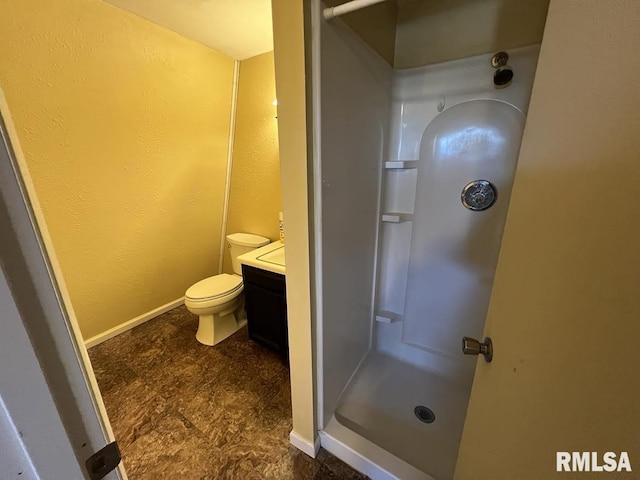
{"points": [[180, 409]]}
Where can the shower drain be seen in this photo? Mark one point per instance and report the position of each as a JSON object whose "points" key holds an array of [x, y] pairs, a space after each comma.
{"points": [[424, 414]]}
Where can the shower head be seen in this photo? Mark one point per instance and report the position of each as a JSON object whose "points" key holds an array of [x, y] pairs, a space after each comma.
{"points": [[502, 77]]}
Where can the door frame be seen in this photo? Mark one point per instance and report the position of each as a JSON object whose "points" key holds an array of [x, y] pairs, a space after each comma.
{"points": [[43, 315]]}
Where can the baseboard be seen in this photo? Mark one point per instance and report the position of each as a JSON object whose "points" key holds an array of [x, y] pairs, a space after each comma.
{"points": [[304, 445], [134, 322]]}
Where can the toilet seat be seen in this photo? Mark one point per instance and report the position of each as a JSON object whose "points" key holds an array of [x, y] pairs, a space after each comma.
{"points": [[214, 290]]}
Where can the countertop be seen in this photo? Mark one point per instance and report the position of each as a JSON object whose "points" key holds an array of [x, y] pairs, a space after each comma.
{"points": [[270, 258]]}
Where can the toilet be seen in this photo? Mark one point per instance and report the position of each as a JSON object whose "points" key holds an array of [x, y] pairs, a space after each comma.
{"points": [[218, 300]]}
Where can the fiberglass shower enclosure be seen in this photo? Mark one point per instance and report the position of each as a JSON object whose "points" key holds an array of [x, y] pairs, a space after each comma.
{"points": [[403, 269]]}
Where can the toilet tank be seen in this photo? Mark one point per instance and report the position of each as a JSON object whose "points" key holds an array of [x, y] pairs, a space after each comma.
{"points": [[240, 243]]}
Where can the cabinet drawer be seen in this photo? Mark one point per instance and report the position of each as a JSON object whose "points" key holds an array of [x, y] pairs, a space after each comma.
{"points": [[273, 282]]}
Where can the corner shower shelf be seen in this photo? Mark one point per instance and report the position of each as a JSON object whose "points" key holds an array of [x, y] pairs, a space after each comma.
{"points": [[385, 316], [397, 217], [401, 164]]}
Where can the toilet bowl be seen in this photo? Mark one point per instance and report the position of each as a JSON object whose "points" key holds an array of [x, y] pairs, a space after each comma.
{"points": [[218, 300]]}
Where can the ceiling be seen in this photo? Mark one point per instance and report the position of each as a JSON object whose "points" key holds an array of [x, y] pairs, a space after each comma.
{"points": [[237, 28]]}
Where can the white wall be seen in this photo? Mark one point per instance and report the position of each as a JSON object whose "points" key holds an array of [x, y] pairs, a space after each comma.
{"points": [[355, 109]]}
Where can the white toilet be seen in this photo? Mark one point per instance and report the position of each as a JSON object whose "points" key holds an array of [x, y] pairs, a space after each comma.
{"points": [[218, 300]]}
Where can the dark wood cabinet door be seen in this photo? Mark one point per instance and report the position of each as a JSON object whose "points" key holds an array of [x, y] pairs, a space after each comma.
{"points": [[266, 307]]}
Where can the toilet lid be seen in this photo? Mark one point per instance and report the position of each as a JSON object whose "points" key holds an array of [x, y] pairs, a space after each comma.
{"points": [[213, 287]]}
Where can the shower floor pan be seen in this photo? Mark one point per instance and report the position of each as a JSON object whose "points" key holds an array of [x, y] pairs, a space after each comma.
{"points": [[379, 405]]}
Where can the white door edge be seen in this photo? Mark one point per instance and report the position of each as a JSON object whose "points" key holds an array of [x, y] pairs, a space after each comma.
{"points": [[33, 273]]}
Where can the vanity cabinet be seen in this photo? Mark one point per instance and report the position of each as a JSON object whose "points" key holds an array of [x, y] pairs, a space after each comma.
{"points": [[266, 306]]}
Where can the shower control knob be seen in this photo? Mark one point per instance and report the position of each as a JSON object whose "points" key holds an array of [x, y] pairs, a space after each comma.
{"points": [[471, 346], [478, 195]]}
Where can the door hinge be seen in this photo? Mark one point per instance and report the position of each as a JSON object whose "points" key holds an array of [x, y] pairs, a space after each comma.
{"points": [[103, 461]]}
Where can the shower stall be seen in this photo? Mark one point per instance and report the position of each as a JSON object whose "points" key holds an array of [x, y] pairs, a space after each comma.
{"points": [[412, 176]]}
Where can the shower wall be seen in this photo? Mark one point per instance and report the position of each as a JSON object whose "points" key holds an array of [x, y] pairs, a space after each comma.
{"points": [[372, 123], [379, 184], [355, 108], [417, 94], [436, 259]]}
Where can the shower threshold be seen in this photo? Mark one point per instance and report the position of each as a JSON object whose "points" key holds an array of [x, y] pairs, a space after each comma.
{"points": [[380, 405]]}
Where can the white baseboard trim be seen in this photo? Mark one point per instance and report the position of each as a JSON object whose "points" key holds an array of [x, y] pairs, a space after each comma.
{"points": [[134, 322], [304, 445]]}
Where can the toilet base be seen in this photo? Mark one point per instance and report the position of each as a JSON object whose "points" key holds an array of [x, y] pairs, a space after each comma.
{"points": [[212, 329]]}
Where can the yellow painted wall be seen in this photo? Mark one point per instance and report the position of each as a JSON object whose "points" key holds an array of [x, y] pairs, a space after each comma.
{"points": [[254, 197], [125, 129], [431, 31], [564, 309]]}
